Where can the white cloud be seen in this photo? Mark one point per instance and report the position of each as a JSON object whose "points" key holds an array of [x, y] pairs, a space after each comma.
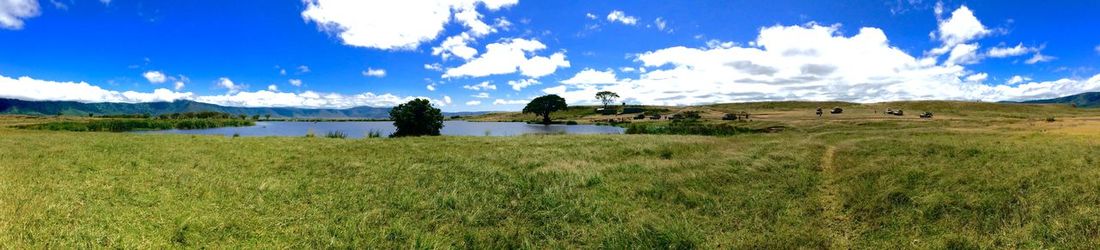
{"points": [[590, 16], [26, 88], [272, 87], [591, 76], [480, 86], [810, 62], [620, 16], [1017, 80], [482, 95], [447, 100], [302, 69], [397, 25], [1001, 52], [523, 83], [661, 23], [370, 72], [12, 13], [456, 45], [979, 77], [433, 67], [509, 102], [1039, 57], [473, 103], [510, 56], [961, 27], [153, 76], [963, 54], [229, 85], [295, 82], [430, 87], [180, 82]]}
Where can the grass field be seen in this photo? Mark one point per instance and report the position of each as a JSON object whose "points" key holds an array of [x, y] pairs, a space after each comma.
{"points": [[976, 176]]}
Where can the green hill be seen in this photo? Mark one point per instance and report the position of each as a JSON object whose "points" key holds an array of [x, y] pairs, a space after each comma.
{"points": [[13, 106], [1083, 100]]}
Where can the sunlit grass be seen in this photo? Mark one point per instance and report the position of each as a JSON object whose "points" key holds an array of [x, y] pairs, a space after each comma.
{"points": [[830, 183]]}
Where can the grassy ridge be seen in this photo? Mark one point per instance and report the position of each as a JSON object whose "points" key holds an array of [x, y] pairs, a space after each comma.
{"points": [[123, 125]]}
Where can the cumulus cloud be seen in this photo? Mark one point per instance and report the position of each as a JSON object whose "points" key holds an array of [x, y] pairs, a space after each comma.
{"points": [[229, 85], [807, 62], [590, 16], [456, 46], [1017, 80], [272, 87], [473, 103], [963, 54], [430, 87], [370, 72], [481, 86], [26, 88], [13, 12], [511, 56], [621, 17], [591, 76], [1001, 52], [295, 82], [520, 84], [482, 95], [979, 77], [397, 25], [302, 69], [961, 27], [155, 77]]}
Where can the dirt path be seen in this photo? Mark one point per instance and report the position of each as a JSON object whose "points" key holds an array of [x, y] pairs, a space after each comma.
{"points": [[838, 224]]}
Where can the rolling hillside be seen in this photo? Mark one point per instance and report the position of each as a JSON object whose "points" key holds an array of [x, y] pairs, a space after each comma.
{"points": [[1083, 100], [13, 106]]}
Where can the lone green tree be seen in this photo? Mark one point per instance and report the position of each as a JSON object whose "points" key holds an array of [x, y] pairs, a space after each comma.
{"points": [[544, 105], [416, 118], [607, 97]]}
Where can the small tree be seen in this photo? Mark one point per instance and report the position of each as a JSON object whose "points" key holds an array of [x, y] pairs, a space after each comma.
{"points": [[544, 105], [607, 97], [255, 117], [267, 117], [416, 118]]}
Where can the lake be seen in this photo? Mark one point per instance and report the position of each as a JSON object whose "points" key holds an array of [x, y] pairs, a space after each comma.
{"points": [[360, 129]]}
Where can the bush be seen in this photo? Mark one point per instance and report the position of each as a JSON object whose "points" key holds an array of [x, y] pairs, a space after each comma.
{"points": [[416, 118]]}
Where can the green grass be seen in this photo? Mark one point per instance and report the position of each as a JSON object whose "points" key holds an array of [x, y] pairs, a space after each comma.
{"points": [[995, 182]]}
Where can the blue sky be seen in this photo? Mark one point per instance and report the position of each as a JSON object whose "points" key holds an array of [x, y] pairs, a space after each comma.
{"points": [[497, 54]]}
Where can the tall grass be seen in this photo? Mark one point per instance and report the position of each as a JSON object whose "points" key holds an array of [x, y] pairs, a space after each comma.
{"points": [[336, 134], [701, 128]]}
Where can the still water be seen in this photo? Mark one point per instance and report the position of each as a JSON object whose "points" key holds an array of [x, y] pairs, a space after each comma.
{"points": [[360, 129]]}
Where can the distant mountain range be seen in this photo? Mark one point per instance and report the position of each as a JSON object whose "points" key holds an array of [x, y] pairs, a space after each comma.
{"points": [[1082, 100], [14, 106]]}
